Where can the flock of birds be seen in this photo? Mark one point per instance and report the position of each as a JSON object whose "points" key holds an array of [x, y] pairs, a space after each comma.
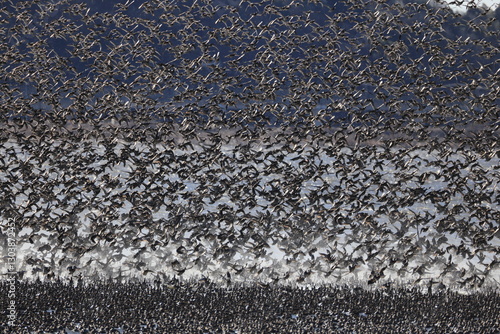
{"points": [[109, 307], [264, 142], [266, 210], [255, 63]]}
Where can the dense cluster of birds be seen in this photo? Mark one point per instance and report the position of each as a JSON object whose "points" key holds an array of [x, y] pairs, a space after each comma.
{"points": [[262, 210], [279, 142], [175, 307], [227, 63]]}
